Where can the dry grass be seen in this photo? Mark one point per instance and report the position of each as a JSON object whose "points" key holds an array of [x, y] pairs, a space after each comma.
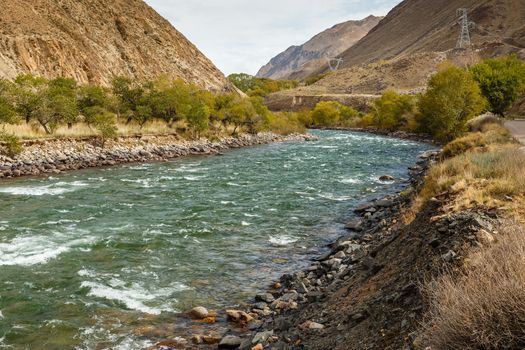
{"points": [[490, 134], [484, 306], [488, 169], [79, 130]]}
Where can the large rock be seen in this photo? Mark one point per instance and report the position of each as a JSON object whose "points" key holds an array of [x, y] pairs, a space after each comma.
{"points": [[230, 342]]}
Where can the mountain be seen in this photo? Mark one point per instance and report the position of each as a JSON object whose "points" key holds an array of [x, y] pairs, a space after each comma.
{"points": [[298, 62], [416, 26], [407, 47], [95, 40]]}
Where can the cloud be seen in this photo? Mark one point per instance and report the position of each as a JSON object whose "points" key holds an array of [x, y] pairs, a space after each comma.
{"points": [[243, 35]]}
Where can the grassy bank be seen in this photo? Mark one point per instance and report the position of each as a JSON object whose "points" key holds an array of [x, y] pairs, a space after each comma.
{"points": [[480, 303]]}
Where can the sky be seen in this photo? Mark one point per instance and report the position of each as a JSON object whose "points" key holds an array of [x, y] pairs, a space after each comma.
{"points": [[243, 35]]}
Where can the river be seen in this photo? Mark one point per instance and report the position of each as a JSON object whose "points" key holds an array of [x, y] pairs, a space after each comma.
{"points": [[85, 254]]}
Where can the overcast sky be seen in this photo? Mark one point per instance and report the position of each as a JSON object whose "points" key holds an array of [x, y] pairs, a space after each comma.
{"points": [[243, 35]]}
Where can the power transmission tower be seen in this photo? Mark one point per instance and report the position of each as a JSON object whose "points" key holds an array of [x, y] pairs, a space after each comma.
{"points": [[337, 61], [464, 37]]}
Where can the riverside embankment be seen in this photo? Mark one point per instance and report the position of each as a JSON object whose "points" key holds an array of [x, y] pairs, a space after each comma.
{"points": [[52, 156]]}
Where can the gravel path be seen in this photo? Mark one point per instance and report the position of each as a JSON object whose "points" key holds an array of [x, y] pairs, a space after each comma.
{"points": [[517, 129]]}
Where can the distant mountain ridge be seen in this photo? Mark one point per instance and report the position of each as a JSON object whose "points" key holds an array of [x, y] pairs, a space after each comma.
{"points": [[94, 40], [298, 62]]}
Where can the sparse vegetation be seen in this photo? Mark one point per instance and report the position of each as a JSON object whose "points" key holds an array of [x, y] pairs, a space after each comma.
{"points": [[261, 87], [315, 78]]}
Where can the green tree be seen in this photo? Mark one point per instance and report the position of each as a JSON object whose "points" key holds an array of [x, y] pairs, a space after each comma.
{"points": [[8, 112], [453, 97], [392, 111], [502, 81], [198, 118], [91, 99], [29, 92]]}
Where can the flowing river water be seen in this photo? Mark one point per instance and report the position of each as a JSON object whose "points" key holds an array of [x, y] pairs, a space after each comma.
{"points": [[84, 255]]}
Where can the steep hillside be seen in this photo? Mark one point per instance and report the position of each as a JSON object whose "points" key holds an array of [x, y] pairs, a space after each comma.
{"points": [[298, 62], [94, 40], [432, 25]]}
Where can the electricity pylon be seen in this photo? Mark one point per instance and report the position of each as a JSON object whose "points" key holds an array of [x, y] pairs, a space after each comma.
{"points": [[337, 61], [464, 37]]}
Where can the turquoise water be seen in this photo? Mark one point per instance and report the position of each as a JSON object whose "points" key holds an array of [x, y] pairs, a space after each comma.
{"points": [[86, 254]]}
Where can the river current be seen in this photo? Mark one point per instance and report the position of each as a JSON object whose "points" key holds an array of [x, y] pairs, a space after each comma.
{"points": [[85, 254]]}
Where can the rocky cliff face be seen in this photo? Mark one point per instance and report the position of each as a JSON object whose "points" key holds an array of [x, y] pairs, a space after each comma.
{"points": [[94, 40], [298, 62]]}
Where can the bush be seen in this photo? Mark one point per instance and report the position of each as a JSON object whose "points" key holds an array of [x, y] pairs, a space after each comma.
{"points": [[502, 81], [331, 113], [393, 111], [285, 123], [11, 144], [453, 97], [483, 307]]}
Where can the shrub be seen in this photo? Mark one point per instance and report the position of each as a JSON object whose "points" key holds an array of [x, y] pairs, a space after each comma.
{"points": [[331, 113], [285, 123], [11, 144], [484, 306], [452, 98], [393, 111], [502, 81]]}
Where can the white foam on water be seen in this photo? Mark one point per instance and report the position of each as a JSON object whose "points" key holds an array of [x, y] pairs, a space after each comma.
{"points": [[233, 184], [244, 223], [133, 344], [350, 181], [1, 315], [227, 202], [333, 197], [251, 215], [282, 240], [194, 178], [145, 183], [134, 296], [43, 190], [34, 250]]}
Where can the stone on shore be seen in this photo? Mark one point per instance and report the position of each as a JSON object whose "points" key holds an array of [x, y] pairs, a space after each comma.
{"points": [[199, 312], [230, 342]]}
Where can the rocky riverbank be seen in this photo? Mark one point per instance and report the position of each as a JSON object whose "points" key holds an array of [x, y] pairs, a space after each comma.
{"points": [[365, 292], [57, 155]]}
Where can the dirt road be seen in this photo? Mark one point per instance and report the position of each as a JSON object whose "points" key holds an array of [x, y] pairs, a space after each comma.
{"points": [[517, 129]]}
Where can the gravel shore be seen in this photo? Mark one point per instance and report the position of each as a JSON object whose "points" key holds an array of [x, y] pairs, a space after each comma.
{"points": [[57, 155]]}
